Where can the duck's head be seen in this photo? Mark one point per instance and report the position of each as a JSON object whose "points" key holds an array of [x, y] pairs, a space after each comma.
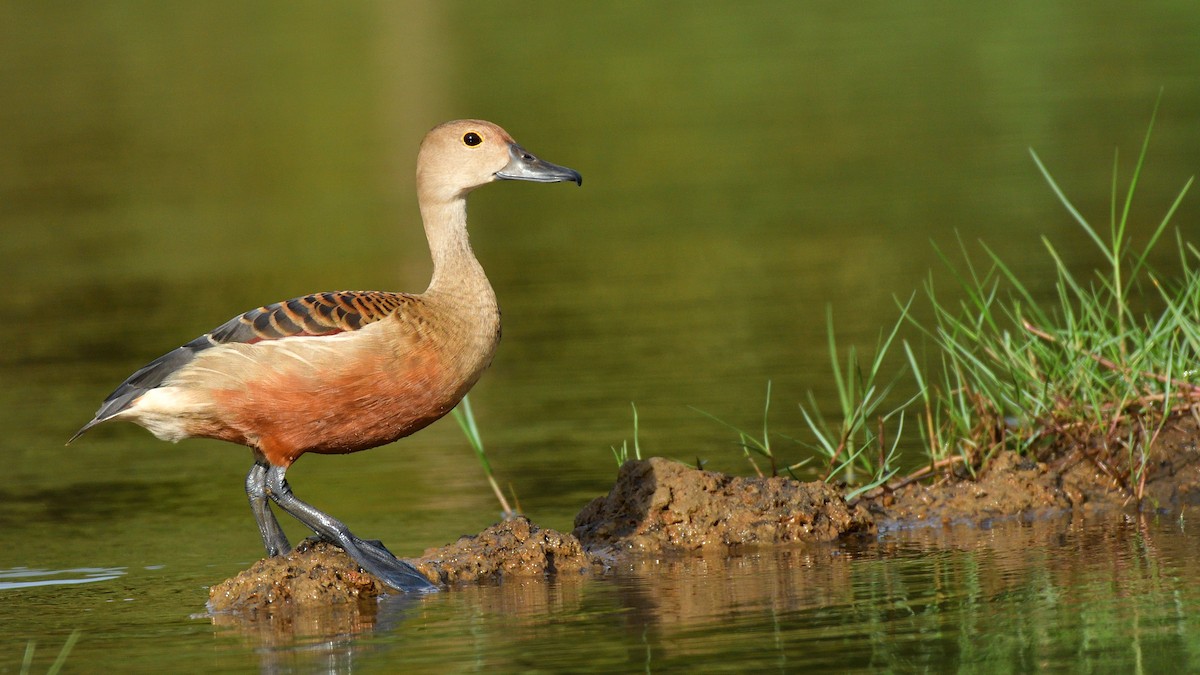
{"points": [[459, 156]]}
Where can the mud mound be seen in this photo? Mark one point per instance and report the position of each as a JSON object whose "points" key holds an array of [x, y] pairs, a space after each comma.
{"points": [[318, 572], [314, 572], [513, 548], [658, 505]]}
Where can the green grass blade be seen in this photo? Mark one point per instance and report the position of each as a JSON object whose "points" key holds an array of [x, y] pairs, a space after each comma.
{"points": [[1062, 197], [63, 653]]}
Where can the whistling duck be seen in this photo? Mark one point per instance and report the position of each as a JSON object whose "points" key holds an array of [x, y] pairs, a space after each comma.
{"points": [[350, 370]]}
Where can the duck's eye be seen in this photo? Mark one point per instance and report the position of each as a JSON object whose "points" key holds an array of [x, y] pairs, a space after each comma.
{"points": [[472, 139]]}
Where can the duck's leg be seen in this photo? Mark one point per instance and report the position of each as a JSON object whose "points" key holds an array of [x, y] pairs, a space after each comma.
{"points": [[371, 556], [275, 541]]}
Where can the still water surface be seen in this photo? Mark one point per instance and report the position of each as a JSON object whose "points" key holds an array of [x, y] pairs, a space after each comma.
{"points": [[163, 167]]}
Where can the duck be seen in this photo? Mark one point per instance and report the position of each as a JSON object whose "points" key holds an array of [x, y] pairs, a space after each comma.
{"points": [[344, 371]]}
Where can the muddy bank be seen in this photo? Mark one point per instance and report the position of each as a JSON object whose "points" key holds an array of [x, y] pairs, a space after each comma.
{"points": [[1091, 475], [1010, 485], [658, 506]]}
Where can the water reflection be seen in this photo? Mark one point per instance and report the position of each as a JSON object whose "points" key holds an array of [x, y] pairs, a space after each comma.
{"points": [[1051, 593], [666, 593], [323, 637], [1082, 593]]}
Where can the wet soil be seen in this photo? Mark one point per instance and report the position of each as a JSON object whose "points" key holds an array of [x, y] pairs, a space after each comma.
{"points": [[661, 506], [317, 571], [311, 572], [514, 548], [1089, 476], [658, 507]]}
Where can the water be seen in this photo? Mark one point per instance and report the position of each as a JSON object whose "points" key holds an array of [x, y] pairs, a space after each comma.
{"points": [[163, 168], [1053, 594]]}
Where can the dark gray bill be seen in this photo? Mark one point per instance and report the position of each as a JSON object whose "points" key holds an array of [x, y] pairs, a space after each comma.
{"points": [[522, 165]]}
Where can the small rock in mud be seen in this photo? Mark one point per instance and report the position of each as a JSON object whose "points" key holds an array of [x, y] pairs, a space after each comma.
{"points": [[513, 548], [658, 505]]}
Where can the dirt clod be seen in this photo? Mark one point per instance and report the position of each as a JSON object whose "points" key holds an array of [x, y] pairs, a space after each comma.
{"points": [[312, 572], [513, 548], [658, 505]]}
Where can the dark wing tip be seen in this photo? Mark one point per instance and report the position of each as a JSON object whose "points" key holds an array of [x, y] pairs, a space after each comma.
{"points": [[82, 429], [144, 379]]}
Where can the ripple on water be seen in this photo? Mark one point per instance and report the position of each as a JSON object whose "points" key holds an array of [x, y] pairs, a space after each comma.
{"points": [[26, 577]]}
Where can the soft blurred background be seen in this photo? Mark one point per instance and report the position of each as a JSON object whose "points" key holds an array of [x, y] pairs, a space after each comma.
{"points": [[165, 166]]}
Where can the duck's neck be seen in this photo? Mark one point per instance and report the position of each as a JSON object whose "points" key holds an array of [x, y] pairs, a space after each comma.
{"points": [[457, 275]]}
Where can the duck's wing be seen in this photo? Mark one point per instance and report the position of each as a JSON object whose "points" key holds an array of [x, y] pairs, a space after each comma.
{"points": [[313, 315]]}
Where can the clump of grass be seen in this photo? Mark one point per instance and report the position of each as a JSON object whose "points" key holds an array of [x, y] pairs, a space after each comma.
{"points": [[1090, 372], [466, 421]]}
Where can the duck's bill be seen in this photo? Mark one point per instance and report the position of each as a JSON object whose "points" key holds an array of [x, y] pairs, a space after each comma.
{"points": [[523, 165]]}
